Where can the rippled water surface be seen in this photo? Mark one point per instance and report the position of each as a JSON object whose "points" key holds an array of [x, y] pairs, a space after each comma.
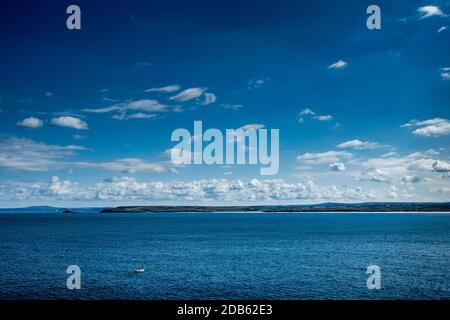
{"points": [[225, 255]]}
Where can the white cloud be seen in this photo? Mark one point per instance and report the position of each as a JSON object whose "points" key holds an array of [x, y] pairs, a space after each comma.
{"points": [[445, 73], [390, 154], [338, 166], [106, 99], [441, 29], [188, 94], [144, 105], [148, 105], [209, 98], [29, 155], [62, 188], [441, 166], [232, 106], [440, 189], [430, 11], [338, 65], [374, 175], [130, 190], [256, 83], [306, 112], [138, 115], [430, 128], [166, 89], [102, 110], [69, 122], [31, 122], [410, 179], [127, 165], [253, 126], [323, 118], [324, 157], [412, 168], [358, 145]]}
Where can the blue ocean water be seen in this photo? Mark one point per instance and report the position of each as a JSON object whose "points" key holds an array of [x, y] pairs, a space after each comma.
{"points": [[225, 255]]}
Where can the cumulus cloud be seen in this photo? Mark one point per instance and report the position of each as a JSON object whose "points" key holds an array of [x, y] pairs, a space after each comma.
{"points": [[31, 122], [209, 98], [340, 167], [62, 188], [374, 175], [440, 189], [166, 89], [188, 94], [128, 189], [358, 145], [441, 166], [429, 11], [429, 128], [69, 122], [411, 168], [338, 65], [324, 157]]}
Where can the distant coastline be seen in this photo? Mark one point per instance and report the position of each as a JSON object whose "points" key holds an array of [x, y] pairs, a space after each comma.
{"points": [[305, 208], [325, 207]]}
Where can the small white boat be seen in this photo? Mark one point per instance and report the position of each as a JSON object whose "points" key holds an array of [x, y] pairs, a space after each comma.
{"points": [[139, 270]]}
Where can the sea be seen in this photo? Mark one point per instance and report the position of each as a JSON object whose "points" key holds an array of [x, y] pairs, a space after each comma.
{"points": [[225, 255]]}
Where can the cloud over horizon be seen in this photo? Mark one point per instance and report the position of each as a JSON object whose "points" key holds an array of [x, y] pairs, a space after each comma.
{"points": [[212, 191]]}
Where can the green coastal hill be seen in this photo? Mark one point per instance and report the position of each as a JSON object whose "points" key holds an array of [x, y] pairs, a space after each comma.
{"points": [[325, 207]]}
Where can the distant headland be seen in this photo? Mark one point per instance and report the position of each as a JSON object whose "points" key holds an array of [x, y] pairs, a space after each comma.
{"points": [[305, 208], [324, 207]]}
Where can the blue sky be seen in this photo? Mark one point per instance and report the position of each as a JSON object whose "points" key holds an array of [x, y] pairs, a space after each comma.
{"points": [[86, 115]]}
